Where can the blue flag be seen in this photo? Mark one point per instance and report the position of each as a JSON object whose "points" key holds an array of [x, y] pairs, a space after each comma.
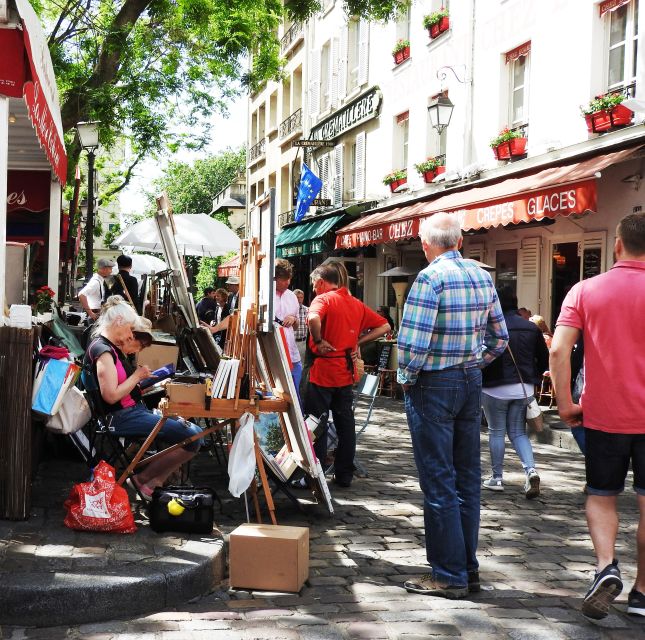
{"points": [[310, 186]]}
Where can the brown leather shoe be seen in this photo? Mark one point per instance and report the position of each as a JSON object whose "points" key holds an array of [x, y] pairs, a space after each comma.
{"points": [[428, 586]]}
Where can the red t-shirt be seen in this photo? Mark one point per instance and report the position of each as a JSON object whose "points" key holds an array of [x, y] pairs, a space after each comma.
{"points": [[343, 319], [609, 309]]}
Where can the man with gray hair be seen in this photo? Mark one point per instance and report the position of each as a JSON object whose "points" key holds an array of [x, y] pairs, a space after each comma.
{"points": [[452, 326]]}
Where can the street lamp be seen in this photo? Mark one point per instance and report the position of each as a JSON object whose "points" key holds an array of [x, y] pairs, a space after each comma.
{"points": [[88, 135], [440, 113]]}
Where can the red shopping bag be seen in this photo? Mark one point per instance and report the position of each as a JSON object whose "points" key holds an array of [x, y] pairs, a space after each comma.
{"points": [[99, 505]]}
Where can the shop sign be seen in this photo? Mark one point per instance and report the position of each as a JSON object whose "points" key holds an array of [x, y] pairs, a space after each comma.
{"points": [[312, 143], [352, 115], [28, 190], [12, 67], [538, 205]]}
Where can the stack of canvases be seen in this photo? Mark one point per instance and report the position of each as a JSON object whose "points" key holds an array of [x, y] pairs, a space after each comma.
{"points": [[16, 349]]}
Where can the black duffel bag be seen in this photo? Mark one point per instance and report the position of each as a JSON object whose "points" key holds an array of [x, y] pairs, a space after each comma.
{"points": [[194, 515]]}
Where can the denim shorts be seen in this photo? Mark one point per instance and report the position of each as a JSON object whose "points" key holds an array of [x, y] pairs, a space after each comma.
{"points": [[607, 458], [139, 421]]}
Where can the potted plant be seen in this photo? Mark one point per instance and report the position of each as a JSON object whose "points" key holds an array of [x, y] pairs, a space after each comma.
{"points": [[44, 298], [401, 50], [396, 179], [436, 23], [430, 168], [606, 112], [508, 144]]}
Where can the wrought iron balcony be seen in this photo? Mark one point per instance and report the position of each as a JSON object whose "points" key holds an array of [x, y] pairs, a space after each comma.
{"points": [[286, 217], [257, 151], [293, 35], [522, 129], [291, 125]]}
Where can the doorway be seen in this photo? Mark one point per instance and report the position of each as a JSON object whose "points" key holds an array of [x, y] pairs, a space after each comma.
{"points": [[565, 269]]}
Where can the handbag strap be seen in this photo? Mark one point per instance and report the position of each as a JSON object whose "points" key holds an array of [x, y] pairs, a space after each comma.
{"points": [[519, 375]]}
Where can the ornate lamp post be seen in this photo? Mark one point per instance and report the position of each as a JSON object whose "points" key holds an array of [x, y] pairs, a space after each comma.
{"points": [[88, 135]]}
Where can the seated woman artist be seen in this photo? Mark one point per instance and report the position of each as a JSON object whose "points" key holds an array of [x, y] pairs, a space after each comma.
{"points": [[119, 382]]}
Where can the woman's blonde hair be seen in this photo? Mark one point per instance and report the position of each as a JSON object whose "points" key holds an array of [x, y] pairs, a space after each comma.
{"points": [[115, 310], [541, 323]]}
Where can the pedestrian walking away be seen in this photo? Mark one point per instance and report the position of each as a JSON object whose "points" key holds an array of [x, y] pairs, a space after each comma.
{"points": [[607, 310], [452, 325], [507, 387], [336, 320]]}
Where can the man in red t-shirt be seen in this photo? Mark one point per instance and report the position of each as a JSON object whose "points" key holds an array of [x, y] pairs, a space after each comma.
{"points": [[337, 326], [608, 310]]}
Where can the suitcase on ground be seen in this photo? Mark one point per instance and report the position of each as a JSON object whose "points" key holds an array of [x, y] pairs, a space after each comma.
{"points": [[191, 510]]}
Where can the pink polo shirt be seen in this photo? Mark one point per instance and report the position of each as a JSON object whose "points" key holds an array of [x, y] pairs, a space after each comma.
{"points": [[610, 310]]}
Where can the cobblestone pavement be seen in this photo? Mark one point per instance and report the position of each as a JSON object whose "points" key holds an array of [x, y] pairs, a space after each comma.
{"points": [[536, 562]]}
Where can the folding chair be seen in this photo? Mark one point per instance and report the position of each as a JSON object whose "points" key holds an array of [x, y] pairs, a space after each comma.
{"points": [[364, 397]]}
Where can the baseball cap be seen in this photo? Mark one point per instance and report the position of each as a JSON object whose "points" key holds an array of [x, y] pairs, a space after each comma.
{"points": [[104, 262], [232, 280]]}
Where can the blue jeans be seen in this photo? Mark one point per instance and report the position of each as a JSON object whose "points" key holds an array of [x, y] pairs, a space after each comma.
{"points": [[296, 374], [578, 434], [507, 416], [139, 421], [444, 414]]}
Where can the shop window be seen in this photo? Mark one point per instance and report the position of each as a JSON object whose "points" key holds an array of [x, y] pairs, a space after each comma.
{"points": [[506, 269], [622, 54]]}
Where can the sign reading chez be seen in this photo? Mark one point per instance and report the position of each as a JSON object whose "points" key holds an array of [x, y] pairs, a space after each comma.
{"points": [[359, 110], [535, 205]]}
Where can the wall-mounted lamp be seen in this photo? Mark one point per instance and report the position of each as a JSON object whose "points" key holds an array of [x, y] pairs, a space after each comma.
{"points": [[440, 112], [12, 118]]}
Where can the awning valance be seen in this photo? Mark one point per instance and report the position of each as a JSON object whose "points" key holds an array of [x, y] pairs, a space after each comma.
{"points": [[565, 190], [305, 238], [230, 267], [33, 79], [610, 5]]}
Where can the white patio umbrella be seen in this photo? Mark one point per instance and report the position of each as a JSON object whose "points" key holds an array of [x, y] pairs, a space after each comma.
{"points": [[142, 263], [197, 235]]}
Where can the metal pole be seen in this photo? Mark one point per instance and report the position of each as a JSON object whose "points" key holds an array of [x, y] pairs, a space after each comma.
{"points": [[89, 225]]}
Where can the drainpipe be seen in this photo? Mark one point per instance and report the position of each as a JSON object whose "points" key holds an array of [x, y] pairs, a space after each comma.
{"points": [[468, 129]]}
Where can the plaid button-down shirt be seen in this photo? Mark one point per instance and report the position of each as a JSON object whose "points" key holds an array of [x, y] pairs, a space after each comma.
{"points": [[452, 317], [302, 330]]}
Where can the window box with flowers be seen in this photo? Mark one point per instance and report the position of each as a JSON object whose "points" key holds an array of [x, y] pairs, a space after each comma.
{"points": [[508, 144], [430, 168], [395, 179], [436, 23], [401, 51], [605, 113]]}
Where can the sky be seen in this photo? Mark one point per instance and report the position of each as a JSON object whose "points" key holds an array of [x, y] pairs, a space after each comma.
{"points": [[225, 132]]}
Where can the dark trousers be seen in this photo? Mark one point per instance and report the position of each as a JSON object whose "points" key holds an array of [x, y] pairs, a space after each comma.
{"points": [[338, 400]]}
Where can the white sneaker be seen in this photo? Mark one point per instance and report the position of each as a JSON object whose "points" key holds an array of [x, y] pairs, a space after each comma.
{"points": [[532, 484], [494, 484]]}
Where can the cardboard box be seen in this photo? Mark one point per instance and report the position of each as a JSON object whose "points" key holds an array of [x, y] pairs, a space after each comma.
{"points": [[183, 393], [157, 355], [269, 557]]}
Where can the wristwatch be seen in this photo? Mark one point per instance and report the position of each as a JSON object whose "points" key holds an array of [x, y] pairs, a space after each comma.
{"points": [[318, 341]]}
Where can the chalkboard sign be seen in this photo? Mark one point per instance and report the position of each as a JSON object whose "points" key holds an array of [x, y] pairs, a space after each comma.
{"points": [[591, 263], [384, 356]]}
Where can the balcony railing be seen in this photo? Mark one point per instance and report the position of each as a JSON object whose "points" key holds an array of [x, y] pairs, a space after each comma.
{"points": [[294, 34], [522, 129], [257, 150], [286, 217], [628, 90], [291, 125]]}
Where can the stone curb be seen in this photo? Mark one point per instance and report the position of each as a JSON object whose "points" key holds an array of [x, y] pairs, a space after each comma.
{"points": [[116, 591]]}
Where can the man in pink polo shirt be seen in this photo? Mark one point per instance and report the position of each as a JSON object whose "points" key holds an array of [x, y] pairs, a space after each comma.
{"points": [[609, 311]]}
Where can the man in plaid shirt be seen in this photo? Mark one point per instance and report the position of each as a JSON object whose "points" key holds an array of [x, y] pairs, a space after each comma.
{"points": [[452, 326], [302, 330]]}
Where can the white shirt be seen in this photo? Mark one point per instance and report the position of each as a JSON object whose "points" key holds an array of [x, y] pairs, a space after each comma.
{"points": [[93, 291], [511, 391], [287, 305]]}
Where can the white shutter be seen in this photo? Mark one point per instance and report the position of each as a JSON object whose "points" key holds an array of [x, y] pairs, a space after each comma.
{"points": [[324, 176], [314, 83], [342, 63], [475, 251], [528, 277], [338, 175], [592, 254], [333, 73], [359, 169], [363, 51]]}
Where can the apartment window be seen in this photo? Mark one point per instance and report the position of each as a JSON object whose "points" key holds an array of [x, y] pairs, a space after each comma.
{"points": [[273, 111], [623, 45], [401, 140], [356, 189], [403, 26], [518, 71], [354, 56], [325, 77]]}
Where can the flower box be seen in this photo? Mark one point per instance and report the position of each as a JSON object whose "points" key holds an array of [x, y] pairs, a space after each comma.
{"points": [[402, 55], [438, 28], [429, 176], [607, 119], [397, 183], [510, 148]]}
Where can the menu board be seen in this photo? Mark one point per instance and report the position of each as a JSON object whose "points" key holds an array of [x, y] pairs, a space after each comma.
{"points": [[591, 262], [384, 356]]}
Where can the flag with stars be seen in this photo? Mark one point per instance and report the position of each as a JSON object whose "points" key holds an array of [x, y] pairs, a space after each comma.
{"points": [[310, 185]]}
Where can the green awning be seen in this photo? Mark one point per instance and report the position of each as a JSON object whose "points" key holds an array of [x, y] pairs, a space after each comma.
{"points": [[306, 238]]}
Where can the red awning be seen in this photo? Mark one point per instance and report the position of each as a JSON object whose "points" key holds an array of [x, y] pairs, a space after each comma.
{"points": [[566, 190], [34, 80], [610, 5], [28, 190], [230, 267]]}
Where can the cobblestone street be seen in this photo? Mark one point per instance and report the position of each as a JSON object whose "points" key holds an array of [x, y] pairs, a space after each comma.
{"points": [[536, 562]]}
